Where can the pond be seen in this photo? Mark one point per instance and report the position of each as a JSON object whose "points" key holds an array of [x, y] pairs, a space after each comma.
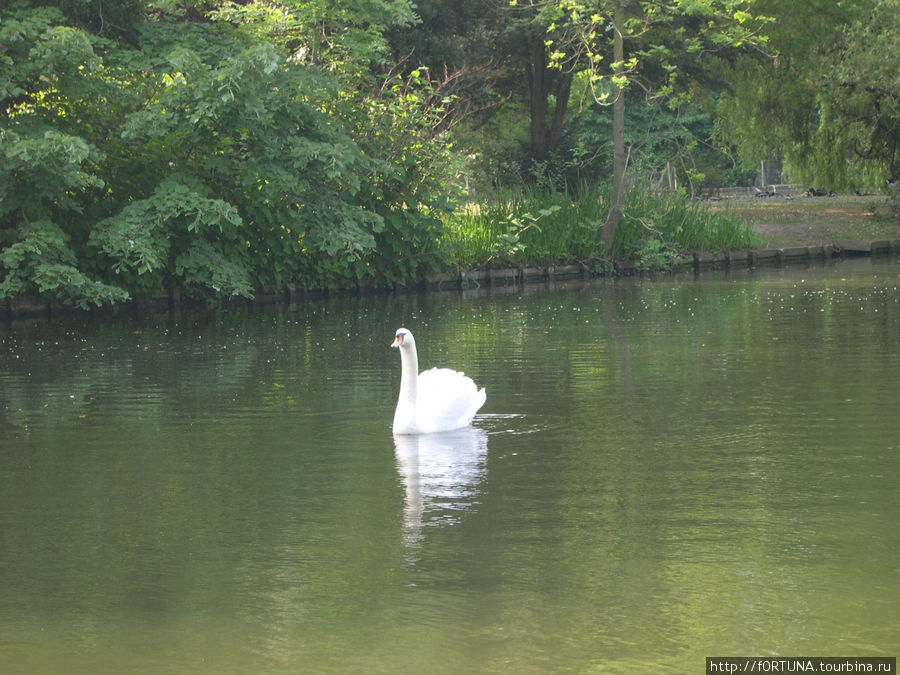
{"points": [[665, 469]]}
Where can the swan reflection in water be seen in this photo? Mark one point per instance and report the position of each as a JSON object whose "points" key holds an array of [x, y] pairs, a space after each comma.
{"points": [[441, 473]]}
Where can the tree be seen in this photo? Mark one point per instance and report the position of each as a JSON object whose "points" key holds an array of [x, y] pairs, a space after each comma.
{"points": [[482, 54], [395, 116], [48, 168], [546, 83], [215, 148], [619, 159], [649, 38], [828, 104]]}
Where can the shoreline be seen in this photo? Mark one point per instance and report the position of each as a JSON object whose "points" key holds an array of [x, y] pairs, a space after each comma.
{"points": [[466, 279], [698, 261]]}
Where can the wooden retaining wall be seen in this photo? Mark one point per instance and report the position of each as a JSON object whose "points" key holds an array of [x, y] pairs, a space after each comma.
{"points": [[699, 261], [511, 276]]}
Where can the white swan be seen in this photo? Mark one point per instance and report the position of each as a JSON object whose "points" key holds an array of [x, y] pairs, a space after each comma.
{"points": [[436, 400]]}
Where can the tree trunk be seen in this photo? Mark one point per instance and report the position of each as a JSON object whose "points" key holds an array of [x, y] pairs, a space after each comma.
{"points": [[542, 81], [537, 97], [563, 88], [618, 189]]}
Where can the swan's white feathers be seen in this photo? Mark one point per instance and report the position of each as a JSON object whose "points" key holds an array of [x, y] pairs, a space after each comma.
{"points": [[451, 398], [439, 399]]}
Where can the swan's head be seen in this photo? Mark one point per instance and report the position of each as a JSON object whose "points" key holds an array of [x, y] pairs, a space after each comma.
{"points": [[403, 338]]}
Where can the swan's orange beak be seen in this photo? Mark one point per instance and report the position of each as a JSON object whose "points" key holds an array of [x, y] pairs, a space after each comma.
{"points": [[397, 341]]}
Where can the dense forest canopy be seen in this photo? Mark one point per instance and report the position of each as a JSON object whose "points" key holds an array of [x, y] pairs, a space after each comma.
{"points": [[229, 148]]}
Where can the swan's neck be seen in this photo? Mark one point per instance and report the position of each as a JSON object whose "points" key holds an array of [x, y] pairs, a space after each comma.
{"points": [[409, 375]]}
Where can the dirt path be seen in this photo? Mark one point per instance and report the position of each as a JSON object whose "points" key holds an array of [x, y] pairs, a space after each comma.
{"points": [[813, 221]]}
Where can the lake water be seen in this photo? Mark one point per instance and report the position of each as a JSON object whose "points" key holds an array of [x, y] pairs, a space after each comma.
{"points": [[664, 470]]}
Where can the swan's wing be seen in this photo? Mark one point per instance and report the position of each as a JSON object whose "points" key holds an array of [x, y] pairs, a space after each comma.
{"points": [[447, 399]]}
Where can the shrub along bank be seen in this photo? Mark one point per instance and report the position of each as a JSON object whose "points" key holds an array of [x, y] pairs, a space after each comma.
{"points": [[531, 227], [522, 228]]}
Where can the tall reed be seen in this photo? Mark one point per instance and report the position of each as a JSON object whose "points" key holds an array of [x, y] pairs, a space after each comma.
{"points": [[524, 226], [680, 223], [531, 226]]}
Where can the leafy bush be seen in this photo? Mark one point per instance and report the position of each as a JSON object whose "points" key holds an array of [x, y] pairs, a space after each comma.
{"points": [[526, 226], [41, 261], [652, 255], [177, 235], [43, 175], [655, 227], [678, 223]]}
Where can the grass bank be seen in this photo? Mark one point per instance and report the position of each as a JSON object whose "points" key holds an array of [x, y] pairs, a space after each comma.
{"points": [[532, 227]]}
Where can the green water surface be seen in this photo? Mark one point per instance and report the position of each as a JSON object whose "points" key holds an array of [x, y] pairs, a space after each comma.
{"points": [[664, 470]]}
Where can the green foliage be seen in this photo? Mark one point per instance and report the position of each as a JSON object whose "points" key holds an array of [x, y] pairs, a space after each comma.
{"points": [[406, 250], [224, 166], [580, 34], [43, 176], [828, 103], [861, 99], [252, 131], [230, 148], [410, 186], [656, 228], [114, 19], [42, 262], [509, 244], [653, 255], [680, 137], [37, 53], [678, 223], [662, 39], [505, 229], [44, 172], [345, 37], [176, 233]]}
